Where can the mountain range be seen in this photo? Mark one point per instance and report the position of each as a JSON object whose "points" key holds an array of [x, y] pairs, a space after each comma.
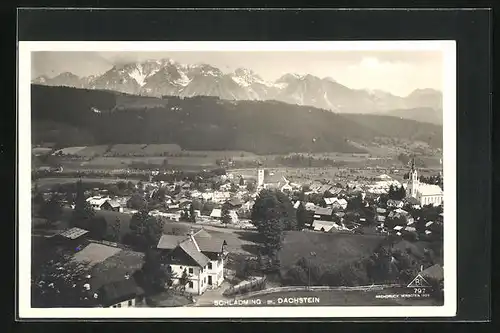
{"points": [[167, 77]]}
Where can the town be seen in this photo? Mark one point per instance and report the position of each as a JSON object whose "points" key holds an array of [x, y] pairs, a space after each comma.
{"points": [[226, 235]]}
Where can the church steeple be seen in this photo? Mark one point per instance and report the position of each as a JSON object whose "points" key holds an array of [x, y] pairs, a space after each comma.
{"points": [[413, 181]]}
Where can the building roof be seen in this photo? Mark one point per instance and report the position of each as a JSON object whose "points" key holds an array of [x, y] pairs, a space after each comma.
{"points": [[114, 204], [412, 201], [98, 201], [191, 249], [235, 202], [216, 212], [323, 211], [106, 264], [119, 291], [326, 225], [170, 242], [209, 244], [73, 233], [95, 253], [434, 272], [428, 189]]}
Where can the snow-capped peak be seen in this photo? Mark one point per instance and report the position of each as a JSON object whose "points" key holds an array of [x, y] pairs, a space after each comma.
{"points": [[246, 77]]}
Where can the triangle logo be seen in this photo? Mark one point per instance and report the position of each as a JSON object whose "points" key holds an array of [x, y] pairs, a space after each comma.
{"points": [[418, 281]]}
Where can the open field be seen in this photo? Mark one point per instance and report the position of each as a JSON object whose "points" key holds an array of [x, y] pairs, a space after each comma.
{"points": [[47, 183], [328, 248], [120, 162], [92, 151]]}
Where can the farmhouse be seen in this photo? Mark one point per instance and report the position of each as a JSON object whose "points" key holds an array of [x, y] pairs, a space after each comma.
{"points": [[198, 255], [391, 203], [104, 203], [321, 213], [325, 226], [111, 274]]}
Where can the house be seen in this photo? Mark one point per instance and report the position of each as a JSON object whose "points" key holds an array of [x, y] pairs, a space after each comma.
{"points": [[197, 254], [395, 203], [70, 239], [216, 213], [97, 202], [248, 205], [339, 204], [321, 213], [235, 203], [325, 226], [112, 205], [435, 273], [310, 206], [111, 274], [412, 202], [120, 294]]}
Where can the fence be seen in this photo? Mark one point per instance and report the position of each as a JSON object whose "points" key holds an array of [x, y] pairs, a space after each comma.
{"points": [[320, 288], [257, 284]]}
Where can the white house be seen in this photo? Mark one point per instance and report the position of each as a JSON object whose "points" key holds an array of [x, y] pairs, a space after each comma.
{"points": [[325, 226], [198, 255]]}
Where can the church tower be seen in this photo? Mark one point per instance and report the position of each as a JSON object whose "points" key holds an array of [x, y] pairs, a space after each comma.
{"points": [[412, 181], [260, 177]]}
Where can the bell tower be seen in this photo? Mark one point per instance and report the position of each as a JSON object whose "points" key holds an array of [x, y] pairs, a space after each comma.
{"points": [[413, 181]]}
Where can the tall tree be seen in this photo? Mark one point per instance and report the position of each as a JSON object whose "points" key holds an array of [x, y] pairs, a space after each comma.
{"points": [[98, 227], [273, 213], [156, 274], [145, 229], [51, 210], [192, 214], [302, 216], [83, 212], [115, 230], [355, 203], [225, 216], [137, 202]]}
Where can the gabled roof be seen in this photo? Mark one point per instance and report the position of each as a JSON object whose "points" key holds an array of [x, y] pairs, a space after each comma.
{"points": [[190, 248], [209, 244], [428, 189], [216, 212], [323, 211], [114, 204], [95, 253], [235, 202], [412, 201], [170, 242], [119, 291], [434, 272], [73, 233]]}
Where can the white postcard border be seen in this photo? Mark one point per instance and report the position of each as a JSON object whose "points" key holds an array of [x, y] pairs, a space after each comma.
{"points": [[448, 49]]}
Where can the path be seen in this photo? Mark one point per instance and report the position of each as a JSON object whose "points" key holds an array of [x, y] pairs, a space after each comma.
{"points": [[211, 295]]}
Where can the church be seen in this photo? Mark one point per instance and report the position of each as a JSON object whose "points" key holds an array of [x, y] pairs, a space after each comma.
{"points": [[426, 194]]}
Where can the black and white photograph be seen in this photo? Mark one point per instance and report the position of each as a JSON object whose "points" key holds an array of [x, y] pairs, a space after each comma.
{"points": [[237, 179]]}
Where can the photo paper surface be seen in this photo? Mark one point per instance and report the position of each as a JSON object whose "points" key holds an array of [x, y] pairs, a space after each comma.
{"points": [[237, 179]]}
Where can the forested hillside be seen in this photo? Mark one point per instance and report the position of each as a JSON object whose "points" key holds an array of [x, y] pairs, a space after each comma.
{"points": [[73, 117]]}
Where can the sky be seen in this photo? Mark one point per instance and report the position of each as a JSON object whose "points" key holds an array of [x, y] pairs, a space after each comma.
{"points": [[397, 72]]}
